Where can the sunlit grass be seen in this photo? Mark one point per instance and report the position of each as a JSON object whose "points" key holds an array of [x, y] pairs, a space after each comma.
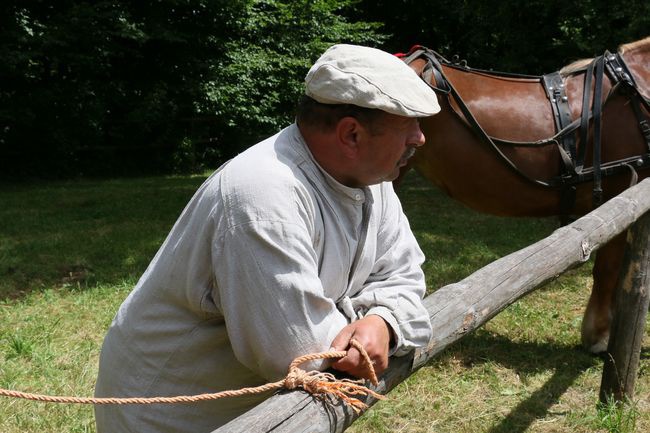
{"points": [[618, 417], [71, 251]]}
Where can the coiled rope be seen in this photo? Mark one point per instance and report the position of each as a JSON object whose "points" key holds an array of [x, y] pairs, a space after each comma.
{"points": [[317, 383]]}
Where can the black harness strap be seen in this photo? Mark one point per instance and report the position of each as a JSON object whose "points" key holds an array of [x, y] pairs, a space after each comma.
{"points": [[432, 71], [584, 118], [644, 125], [597, 198], [573, 159], [445, 86], [556, 92], [619, 73], [617, 69]]}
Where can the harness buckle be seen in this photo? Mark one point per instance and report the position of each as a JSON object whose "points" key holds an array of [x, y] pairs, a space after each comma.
{"points": [[645, 128], [556, 94]]}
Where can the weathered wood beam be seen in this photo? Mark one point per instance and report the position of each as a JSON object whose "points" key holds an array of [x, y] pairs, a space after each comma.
{"points": [[460, 308], [630, 312]]}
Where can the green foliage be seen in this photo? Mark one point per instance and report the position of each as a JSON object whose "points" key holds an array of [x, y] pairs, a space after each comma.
{"points": [[257, 83], [118, 87], [103, 87], [534, 37], [115, 87], [96, 81]]}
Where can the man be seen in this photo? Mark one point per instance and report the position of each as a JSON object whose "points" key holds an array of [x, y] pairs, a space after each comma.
{"points": [[293, 247]]}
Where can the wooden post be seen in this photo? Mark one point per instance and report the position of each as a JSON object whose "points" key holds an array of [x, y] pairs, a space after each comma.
{"points": [[630, 312], [458, 309]]}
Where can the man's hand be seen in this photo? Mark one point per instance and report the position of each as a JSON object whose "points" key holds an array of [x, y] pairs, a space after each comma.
{"points": [[374, 334]]}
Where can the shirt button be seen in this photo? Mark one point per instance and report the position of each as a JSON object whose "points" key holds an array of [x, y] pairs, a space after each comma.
{"points": [[357, 197]]}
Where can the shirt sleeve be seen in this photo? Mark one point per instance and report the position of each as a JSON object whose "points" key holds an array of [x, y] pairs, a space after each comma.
{"points": [[396, 285], [267, 283]]}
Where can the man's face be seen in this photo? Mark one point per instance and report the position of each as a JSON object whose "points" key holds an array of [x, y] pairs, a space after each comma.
{"points": [[387, 147]]}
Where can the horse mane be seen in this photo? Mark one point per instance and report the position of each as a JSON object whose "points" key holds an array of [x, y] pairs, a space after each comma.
{"points": [[578, 65], [634, 45], [581, 64]]}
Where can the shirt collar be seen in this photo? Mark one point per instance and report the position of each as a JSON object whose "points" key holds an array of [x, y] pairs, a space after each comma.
{"points": [[358, 195]]}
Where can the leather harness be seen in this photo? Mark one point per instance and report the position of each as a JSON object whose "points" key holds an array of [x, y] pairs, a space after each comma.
{"points": [[573, 157]]}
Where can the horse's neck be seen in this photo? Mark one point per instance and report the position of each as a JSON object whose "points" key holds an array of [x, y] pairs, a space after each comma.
{"points": [[638, 62]]}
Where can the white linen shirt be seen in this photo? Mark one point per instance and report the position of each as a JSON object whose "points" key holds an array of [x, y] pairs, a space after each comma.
{"points": [[270, 259]]}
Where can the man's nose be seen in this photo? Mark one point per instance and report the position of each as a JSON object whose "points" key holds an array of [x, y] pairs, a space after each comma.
{"points": [[418, 138]]}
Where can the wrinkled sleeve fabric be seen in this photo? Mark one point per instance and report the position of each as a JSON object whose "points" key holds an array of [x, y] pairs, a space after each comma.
{"points": [[396, 285], [267, 283]]}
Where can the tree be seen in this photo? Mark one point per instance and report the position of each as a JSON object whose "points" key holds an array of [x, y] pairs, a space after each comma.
{"points": [[115, 87], [257, 83], [534, 37]]}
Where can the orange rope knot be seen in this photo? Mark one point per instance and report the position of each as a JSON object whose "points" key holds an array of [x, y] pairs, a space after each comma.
{"points": [[321, 384], [315, 382]]}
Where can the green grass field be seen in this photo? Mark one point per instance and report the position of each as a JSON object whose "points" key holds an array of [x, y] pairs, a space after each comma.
{"points": [[71, 251]]}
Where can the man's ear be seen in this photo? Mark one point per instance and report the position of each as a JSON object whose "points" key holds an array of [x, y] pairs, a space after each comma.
{"points": [[348, 133]]}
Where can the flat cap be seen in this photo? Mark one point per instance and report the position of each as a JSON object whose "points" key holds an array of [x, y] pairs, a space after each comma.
{"points": [[371, 78]]}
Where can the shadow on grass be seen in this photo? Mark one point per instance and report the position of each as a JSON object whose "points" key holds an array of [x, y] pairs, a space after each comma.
{"points": [[456, 240], [526, 359], [78, 234]]}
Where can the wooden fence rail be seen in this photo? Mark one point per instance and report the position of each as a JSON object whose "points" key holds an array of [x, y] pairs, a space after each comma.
{"points": [[460, 308]]}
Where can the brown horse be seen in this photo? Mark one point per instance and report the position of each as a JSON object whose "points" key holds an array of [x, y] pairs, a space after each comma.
{"points": [[513, 169]]}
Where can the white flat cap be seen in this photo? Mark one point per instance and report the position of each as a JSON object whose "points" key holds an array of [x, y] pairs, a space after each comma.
{"points": [[371, 78]]}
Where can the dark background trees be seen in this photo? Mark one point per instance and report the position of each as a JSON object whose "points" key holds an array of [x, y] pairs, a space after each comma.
{"points": [[102, 87], [120, 87], [108, 88], [533, 37]]}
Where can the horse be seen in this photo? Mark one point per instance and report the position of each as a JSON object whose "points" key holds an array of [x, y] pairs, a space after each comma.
{"points": [[557, 145]]}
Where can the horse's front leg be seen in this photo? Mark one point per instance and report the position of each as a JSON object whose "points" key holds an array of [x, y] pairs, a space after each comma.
{"points": [[598, 315]]}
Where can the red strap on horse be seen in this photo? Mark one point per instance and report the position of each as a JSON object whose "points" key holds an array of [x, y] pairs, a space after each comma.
{"points": [[410, 51]]}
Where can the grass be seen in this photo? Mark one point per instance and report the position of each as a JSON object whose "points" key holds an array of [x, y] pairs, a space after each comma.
{"points": [[84, 233], [71, 251], [618, 417]]}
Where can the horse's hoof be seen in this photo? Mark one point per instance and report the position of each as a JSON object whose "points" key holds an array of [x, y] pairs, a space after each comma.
{"points": [[594, 332], [594, 341], [598, 347]]}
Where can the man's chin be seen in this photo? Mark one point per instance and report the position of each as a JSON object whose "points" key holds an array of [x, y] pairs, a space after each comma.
{"points": [[392, 176]]}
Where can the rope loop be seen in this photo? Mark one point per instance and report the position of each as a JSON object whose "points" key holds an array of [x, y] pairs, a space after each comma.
{"points": [[320, 384]]}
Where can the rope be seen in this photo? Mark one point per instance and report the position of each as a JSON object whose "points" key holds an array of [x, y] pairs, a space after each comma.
{"points": [[319, 384]]}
